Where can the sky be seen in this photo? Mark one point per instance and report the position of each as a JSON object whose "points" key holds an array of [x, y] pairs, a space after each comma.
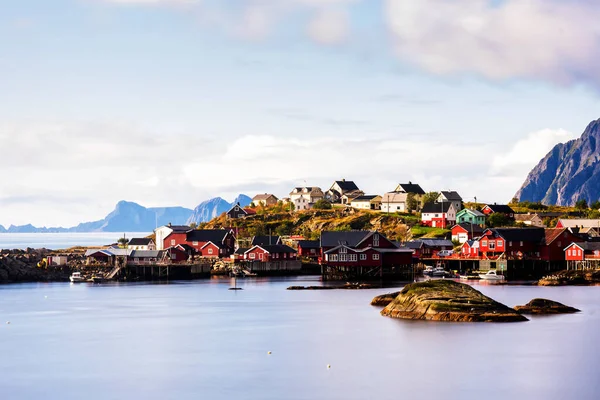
{"points": [[172, 102]]}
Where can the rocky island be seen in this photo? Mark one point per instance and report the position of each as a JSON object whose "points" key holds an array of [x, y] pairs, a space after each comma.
{"points": [[572, 277], [544, 306], [445, 300]]}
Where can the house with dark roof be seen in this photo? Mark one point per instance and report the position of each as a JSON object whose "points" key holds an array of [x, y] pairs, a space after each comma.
{"points": [[141, 244], [170, 235], [512, 242], [427, 248], [470, 249], [341, 188], [555, 241], [309, 249], [236, 212], [265, 199], [451, 197], [582, 255], [304, 198], [270, 253], [438, 215], [366, 202], [264, 240], [505, 209], [410, 188], [465, 231]]}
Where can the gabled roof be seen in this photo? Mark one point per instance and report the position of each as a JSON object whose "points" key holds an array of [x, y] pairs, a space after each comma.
{"points": [[418, 243], [335, 238], [264, 196], [469, 243], [217, 245], [240, 209], [586, 246], [451, 195], [274, 248], [394, 197], [467, 226], [583, 223], [145, 254], [536, 235], [553, 233], [309, 190], [109, 252], [140, 242], [411, 188], [207, 235], [178, 228], [353, 194], [309, 244], [475, 213], [241, 250], [500, 208], [265, 240], [526, 217], [346, 186], [365, 198], [186, 247], [429, 208]]}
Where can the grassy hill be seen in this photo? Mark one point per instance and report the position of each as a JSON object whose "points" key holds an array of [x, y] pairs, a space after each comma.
{"points": [[310, 223]]}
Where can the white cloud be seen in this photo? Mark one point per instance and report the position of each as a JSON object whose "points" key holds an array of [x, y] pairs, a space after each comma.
{"points": [[527, 152], [329, 26], [539, 39]]}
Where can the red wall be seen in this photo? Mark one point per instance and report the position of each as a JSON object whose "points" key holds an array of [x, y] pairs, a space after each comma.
{"points": [[576, 254], [179, 238]]}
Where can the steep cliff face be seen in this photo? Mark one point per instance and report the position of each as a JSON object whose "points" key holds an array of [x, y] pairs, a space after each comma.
{"points": [[209, 209], [569, 172]]}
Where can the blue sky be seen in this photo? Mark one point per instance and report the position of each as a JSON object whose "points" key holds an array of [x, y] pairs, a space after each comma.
{"points": [[170, 102]]}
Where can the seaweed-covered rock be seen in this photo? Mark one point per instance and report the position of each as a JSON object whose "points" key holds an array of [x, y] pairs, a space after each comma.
{"points": [[446, 300], [544, 306]]}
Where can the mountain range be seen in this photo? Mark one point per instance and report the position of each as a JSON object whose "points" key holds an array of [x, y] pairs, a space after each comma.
{"points": [[132, 217], [568, 173]]}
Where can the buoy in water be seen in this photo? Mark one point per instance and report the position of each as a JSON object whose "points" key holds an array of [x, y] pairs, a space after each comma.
{"points": [[269, 353], [328, 366], [7, 322]]}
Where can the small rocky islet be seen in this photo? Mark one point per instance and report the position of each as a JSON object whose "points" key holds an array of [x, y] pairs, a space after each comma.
{"points": [[445, 300], [545, 306]]}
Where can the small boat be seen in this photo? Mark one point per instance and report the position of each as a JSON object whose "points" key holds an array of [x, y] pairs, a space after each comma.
{"points": [[428, 270], [76, 277], [469, 277], [439, 271], [98, 278], [491, 276]]}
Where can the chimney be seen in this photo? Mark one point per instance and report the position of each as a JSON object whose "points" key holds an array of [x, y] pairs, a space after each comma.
{"points": [[343, 179], [169, 224]]}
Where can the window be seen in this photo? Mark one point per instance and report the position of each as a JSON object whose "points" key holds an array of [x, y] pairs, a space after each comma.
{"points": [[375, 256], [284, 255], [173, 256], [500, 243], [363, 256], [343, 250], [510, 243], [484, 243], [375, 240], [195, 243], [136, 259], [252, 256], [172, 242], [334, 257], [240, 215], [260, 256], [210, 250], [569, 252], [343, 257], [492, 245], [353, 257], [437, 215], [521, 243], [558, 243]]}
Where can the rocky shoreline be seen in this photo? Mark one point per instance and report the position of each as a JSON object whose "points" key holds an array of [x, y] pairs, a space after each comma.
{"points": [[24, 266], [571, 277]]}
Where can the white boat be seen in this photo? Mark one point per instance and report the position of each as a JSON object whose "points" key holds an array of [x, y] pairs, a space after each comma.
{"points": [[428, 270], [491, 276], [76, 277], [439, 271]]}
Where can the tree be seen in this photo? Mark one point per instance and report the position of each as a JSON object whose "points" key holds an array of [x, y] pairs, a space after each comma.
{"points": [[123, 242], [193, 225], [581, 205], [514, 201], [496, 220], [430, 197], [411, 202], [322, 205], [595, 205]]}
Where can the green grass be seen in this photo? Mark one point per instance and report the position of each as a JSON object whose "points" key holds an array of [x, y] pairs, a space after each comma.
{"points": [[427, 232]]}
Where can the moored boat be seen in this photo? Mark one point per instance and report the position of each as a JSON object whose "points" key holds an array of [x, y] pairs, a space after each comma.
{"points": [[491, 276], [76, 277], [428, 270], [439, 271]]}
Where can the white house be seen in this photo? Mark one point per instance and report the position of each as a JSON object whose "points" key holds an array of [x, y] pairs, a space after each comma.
{"points": [[394, 202], [451, 197], [369, 202], [303, 198], [164, 231], [438, 215], [341, 188], [141, 244]]}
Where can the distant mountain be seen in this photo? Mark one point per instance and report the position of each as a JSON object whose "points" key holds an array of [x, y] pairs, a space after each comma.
{"points": [[568, 173], [132, 217], [212, 208]]}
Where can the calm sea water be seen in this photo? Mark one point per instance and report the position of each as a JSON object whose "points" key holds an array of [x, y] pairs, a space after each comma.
{"points": [[198, 340], [61, 240]]}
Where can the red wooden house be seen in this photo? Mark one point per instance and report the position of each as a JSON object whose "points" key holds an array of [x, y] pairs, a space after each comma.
{"points": [[223, 241], [512, 242], [470, 249], [555, 242], [498, 208], [363, 249], [270, 253], [465, 231], [309, 249]]}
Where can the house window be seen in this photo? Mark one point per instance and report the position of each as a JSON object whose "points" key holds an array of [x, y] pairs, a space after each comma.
{"points": [[510, 243], [343, 250], [569, 252], [240, 215], [437, 215], [210, 251], [363, 256], [252, 256], [521, 244], [334, 257], [173, 256], [375, 240], [172, 242], [375, 256], [492, 245], [500, 243], [136, 259], [343, 257], [260, 256], [484, 243], [353, 257], [558, 243], [195, 243], [284, 255]]}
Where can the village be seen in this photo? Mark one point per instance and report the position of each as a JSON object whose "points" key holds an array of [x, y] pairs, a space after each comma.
{"points": [[467, 237]]}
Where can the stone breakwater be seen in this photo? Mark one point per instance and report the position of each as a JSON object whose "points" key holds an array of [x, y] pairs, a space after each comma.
{"points": [[445, 300], [22, 266]]}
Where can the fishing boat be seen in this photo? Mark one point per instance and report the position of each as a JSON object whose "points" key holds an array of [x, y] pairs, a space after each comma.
{"points": [[428, 270], [469, 277], [439, 271], [491, 276], [76, 277]]}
